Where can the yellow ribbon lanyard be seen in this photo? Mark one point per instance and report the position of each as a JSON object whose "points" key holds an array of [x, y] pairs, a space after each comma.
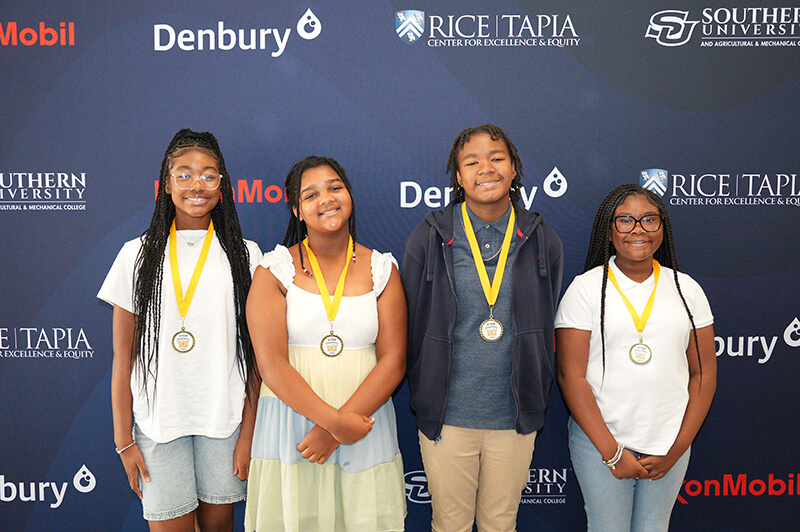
{"points": [[184, 302], [640, 322], [493, 290], [331, 307]]}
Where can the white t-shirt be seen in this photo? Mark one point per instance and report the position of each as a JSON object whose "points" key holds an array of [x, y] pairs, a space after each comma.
{"points": [[642, 404], [200, 392]]}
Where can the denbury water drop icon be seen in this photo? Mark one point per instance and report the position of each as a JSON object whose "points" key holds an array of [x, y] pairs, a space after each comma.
{"points": [[84, 480], [555, 185], [309, 26], [792, 334]]}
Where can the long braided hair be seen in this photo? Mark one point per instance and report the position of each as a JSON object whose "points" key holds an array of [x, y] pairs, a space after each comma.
{"points": [[150, 262], [495, 133], [297, 231], [601, 249]]}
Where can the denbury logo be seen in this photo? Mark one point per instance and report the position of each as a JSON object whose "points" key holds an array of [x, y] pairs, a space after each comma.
{"points": [[165, 37], [671, 27], [46, 36], [761, 347], [409, 24], [655, 180], [83, 482], [411, 192]]}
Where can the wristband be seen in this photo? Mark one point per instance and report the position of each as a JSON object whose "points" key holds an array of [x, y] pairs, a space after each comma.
{"points": [[120, 451], [614, 459]]}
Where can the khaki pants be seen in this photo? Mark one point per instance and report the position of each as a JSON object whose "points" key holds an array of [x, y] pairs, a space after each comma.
{"points": [[476, 475]]}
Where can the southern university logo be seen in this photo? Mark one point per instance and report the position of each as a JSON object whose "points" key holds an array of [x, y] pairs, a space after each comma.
{"points": [[410, 25], [654, 180], [671, 27]]}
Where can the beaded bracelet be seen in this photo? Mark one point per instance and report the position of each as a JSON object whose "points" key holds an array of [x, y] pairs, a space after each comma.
{"points": [[120, 451], [616, 458]]}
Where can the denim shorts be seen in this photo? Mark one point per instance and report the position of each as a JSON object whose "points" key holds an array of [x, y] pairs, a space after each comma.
{"points": [[186, 470]]}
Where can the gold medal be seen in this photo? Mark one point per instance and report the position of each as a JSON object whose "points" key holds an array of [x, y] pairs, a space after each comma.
{"points": [[331, 345], [183, 341], [491, 329], [639, 353]]}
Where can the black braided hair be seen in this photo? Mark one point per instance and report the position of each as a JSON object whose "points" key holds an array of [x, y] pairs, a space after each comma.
{"points": [[601, 249], [150, 262], [296, 231], [495, 133]]}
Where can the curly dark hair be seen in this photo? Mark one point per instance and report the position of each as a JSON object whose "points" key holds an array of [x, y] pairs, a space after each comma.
{"points": [[495, 133], [296, 231], [601, 248], [150, 262]]}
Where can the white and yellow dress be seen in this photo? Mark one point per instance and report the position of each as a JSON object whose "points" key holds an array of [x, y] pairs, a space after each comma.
{"points": [[361, 486]]}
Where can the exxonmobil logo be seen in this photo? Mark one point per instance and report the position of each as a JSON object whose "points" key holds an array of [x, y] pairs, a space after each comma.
{"points": [[253, 191], [740, 485], [12, 35]]}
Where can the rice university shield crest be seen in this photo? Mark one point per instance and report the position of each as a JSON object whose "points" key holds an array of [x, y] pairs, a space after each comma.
{"points": [[410, 25], [654, 180]]}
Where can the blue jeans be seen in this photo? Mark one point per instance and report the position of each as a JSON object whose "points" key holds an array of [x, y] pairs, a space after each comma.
{"points": [[622, 505]]}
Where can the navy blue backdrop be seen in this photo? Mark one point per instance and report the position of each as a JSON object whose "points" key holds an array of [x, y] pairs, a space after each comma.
{"points": [[592, 95]]}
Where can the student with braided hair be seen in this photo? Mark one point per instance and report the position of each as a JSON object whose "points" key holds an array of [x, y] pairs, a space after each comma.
{"points": [[636, 365], [328, 321], [183, 360], [480, 353]]}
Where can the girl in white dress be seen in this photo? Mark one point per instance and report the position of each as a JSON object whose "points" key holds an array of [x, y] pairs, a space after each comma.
{"points": [[328, 322]]}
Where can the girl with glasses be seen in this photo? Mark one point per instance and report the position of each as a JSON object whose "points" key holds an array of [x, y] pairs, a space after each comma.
{"points": [[636, 365], [183, 360]]}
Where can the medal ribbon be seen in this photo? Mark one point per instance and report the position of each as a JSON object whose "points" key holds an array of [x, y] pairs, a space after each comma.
{"points": [[331, 307], [491, 291], [640, 322], [184, 302]]}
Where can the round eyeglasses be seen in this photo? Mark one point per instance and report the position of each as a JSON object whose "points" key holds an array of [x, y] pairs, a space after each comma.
{"points": [[649, 222], [208, 180]]}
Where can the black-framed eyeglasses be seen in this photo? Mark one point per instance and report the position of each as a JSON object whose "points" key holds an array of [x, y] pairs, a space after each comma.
{"points": [[649, 222]]}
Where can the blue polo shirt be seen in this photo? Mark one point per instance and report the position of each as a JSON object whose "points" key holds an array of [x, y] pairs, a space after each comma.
{"points": [[480, 394]]}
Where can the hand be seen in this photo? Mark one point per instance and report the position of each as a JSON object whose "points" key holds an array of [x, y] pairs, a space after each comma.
{"points": [[351, 427], [318, 445], [658, 466], [628, 467], [241, 457], [133, 462]]}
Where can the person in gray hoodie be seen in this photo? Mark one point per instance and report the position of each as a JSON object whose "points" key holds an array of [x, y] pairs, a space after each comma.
{"points": [[482, 278]]}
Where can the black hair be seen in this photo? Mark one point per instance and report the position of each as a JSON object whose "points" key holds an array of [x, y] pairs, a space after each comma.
{"points": [[297, 231], [495, 133], [150, 262], [601, 249]]}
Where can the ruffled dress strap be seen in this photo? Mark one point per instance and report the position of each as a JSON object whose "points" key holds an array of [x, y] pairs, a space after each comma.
{"points": [[279, 262], [381, 270]]}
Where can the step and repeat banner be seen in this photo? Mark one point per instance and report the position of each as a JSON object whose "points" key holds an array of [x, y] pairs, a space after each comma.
{"points": [[697, 100]]}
